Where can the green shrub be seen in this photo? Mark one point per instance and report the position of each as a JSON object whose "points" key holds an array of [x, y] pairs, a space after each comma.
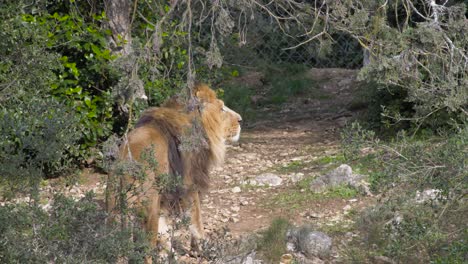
{"points": [[58, 55], [37, 139], [69, 232], [239, 99], [273, 242], [409, 66], [402, 228]]}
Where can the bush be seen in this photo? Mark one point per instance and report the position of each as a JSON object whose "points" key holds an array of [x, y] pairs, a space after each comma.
{"points": [[404, 227], [273, 242], [37, 139], [419, 67], [69, 232]]}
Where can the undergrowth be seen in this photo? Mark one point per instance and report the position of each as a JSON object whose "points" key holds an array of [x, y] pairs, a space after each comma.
{"points": [[273, 242], [424, 182]]}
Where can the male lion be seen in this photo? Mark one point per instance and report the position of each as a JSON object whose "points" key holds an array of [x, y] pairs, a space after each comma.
{"points": [[164, 131]]}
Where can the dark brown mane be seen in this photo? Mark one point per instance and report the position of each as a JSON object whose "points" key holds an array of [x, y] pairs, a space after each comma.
{"points": [[198, 161], [176, 165]]}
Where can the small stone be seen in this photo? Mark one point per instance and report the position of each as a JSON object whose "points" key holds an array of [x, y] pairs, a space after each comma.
{"points": [[427, 195], [236, 189], [269, 179], [244, 203], [347, 208], [296, 177], [383, 260], [315, 215], [290, 247], [286, 259], [235, 208]]}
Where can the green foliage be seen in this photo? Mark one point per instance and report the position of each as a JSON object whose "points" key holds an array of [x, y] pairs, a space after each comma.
{"points": [[87, 75], [289, 81], [69, 232], [58, 55], [273, 242], [38, 132], [36, 139], [239, 99], [420, 68], [401, 227], [353, 138]]}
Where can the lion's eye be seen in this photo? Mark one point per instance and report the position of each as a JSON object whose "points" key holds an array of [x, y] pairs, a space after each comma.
{"points": [[223, 109]]}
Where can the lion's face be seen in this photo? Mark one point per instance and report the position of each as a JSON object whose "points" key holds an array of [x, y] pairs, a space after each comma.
{"points": [[230, 120], [232, 123]]}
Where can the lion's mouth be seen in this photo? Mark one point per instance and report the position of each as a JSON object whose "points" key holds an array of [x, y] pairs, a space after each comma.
{"points": [[236, 137]]}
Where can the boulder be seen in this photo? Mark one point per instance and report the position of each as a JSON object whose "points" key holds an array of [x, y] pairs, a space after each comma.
{"points": [[339, 176], [315, 244], [269, 179]]}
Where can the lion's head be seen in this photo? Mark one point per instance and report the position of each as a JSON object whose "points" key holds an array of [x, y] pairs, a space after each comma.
{"points": [[220, 123], [229, 120]]}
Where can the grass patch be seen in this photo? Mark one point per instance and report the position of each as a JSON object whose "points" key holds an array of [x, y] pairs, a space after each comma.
{"points": [[330, 160], [339, 228], [287, 87], [301, 196], [342, 191], [273, 242], [293, 166]]}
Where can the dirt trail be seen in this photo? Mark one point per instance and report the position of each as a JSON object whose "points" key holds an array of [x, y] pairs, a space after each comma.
{"points": [[286, 141]]}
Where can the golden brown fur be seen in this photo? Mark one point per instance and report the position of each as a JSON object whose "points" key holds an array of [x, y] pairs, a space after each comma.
{"points": [[165, 130]]}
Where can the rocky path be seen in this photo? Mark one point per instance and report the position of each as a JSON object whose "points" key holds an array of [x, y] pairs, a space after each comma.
{"points": [[288, 148]]}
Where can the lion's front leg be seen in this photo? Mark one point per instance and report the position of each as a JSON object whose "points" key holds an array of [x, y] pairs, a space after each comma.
{"points": [[196, 226]]}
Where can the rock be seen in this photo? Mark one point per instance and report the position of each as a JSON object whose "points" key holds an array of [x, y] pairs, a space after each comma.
{"points": [[339, 176], [427, 195], [314, 243], [295, 177], [269, 179], [286, 259], [236, 189], [250, 156], [290, 247], [249, 182]]}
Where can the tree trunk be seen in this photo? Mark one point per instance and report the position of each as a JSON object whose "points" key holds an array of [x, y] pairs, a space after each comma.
{"points": [[119, 14]]}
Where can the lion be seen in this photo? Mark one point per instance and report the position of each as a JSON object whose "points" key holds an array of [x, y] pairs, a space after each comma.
{"points": [[162, 130]]}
